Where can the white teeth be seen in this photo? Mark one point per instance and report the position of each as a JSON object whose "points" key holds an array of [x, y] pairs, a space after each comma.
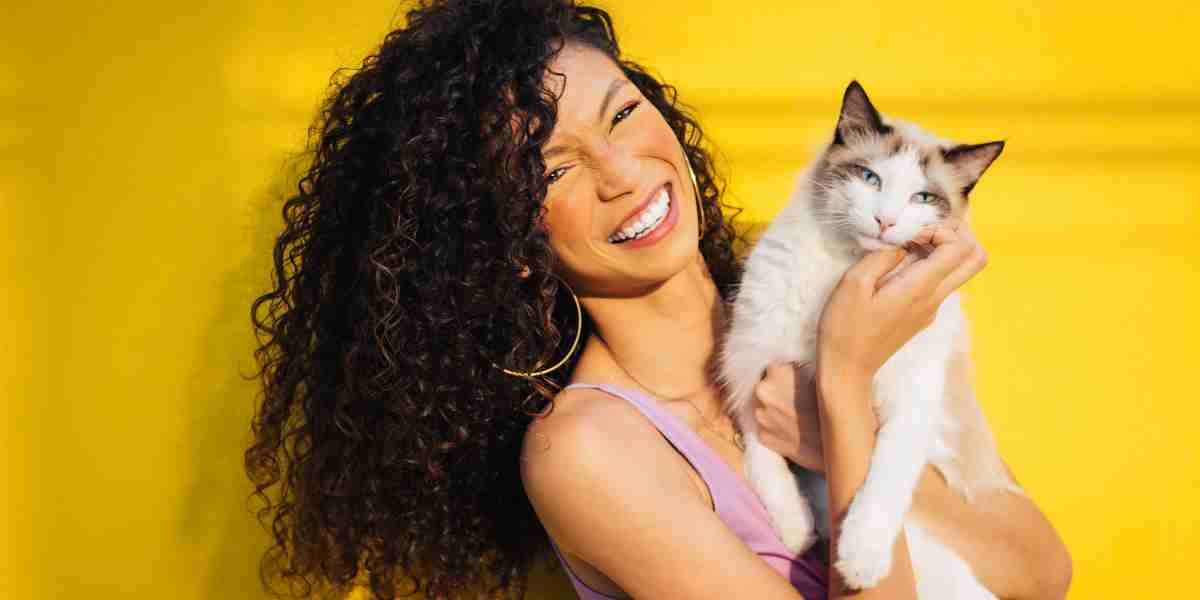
{"points": [[647, 220]]}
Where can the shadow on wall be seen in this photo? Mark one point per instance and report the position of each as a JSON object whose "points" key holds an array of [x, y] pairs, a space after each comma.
{"points": [[217, 510]]}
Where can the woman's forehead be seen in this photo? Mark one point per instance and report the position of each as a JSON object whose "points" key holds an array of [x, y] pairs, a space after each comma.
{"points": [[581, 78], [585, 81]]}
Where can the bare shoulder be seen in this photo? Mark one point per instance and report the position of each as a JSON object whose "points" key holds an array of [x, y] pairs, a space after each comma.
{"points": [[585, 425], [616, 497], [587, 443], [585, 415]]}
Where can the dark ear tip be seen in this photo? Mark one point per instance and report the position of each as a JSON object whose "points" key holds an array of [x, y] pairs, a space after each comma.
{"points": [[855, 86]]}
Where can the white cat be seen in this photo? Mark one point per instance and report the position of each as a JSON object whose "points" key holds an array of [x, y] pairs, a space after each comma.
{"points": [[877, 184]]}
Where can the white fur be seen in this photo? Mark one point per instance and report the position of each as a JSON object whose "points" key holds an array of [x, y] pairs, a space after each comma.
{"points": [[788, 277]]}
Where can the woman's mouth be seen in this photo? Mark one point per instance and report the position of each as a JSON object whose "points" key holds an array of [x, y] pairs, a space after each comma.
{"points": [[650, 225]]}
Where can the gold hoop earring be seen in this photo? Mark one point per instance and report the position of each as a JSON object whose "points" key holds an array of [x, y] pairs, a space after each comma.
{"points": [[696, 187], [575, 344]]}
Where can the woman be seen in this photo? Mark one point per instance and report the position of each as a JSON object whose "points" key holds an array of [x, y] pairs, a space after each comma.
{"points": [[458, 253]]}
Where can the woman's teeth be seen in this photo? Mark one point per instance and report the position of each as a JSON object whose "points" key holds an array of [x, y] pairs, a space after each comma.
{"points": [[645, 222]]}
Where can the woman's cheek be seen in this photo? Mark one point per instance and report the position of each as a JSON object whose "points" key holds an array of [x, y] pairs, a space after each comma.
{"points": [[569, 224]]}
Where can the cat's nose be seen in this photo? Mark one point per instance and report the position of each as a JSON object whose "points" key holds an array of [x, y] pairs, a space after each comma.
{"points": [[883, 225]]}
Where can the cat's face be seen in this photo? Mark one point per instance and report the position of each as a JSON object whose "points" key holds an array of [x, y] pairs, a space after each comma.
{"points": [[882, 180]]}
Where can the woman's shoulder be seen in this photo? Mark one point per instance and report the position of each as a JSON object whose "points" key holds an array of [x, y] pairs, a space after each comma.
{"points": [[590, 438], [584, 419], [602, 480]]}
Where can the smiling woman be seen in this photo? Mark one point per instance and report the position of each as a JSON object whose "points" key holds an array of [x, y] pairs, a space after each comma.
{"points": [[615, 180], [410, 433], [417, 257]]}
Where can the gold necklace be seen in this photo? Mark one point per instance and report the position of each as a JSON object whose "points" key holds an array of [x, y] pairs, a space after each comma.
{"points": [[736, 439]]}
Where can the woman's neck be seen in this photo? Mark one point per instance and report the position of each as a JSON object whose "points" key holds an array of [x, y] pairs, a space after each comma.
{"points": [[663, 340]]}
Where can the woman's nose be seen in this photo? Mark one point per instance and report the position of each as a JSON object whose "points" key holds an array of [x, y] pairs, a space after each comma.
{"points": [[617, 172]]}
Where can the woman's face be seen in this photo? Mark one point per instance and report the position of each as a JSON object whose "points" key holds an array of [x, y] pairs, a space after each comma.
{"points": [[609, 160]]}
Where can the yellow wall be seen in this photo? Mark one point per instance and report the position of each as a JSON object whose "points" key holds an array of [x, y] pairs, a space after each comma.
{"points": [[139, 144]]}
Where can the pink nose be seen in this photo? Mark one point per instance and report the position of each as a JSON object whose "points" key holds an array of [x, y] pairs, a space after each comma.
{"points": [[883, 225]]}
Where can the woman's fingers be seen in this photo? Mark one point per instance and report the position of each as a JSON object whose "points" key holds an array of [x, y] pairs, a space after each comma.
{"points": [[956, 257], [807, 370], [867, 271], [925, 237], [974, 263], [923, 277]]}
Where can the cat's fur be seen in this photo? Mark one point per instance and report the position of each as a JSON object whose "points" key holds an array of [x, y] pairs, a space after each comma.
{"points": [[923, 397]]}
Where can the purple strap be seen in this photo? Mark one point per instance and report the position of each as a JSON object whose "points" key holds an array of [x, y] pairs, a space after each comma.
{"points": [[736, 504]]}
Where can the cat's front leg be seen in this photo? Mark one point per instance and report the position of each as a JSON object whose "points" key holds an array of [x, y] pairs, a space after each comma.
{"points": [[876, 514], [772, 480]]}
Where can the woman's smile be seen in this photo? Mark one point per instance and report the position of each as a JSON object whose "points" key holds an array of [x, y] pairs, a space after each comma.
{"points": [[650, 222]]}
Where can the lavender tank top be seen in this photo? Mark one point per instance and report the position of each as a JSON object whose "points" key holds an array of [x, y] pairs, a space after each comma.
{"points": [[736, 503]]}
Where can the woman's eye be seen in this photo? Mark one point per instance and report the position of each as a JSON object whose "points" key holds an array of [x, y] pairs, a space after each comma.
{"points": [[624, 112], [554, 175], [925, 198], [871, 178]]}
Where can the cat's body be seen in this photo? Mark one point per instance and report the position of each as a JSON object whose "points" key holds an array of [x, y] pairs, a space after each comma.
{"points": [[923, 397]]}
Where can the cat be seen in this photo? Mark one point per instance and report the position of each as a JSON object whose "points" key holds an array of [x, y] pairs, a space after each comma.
{"points": [[875, 185]]}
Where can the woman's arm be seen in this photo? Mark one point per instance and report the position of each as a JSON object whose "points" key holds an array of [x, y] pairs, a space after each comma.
{"points": [[1006, 539], [861, 326], [1009, 543], [1003, 536], [848, 430]]}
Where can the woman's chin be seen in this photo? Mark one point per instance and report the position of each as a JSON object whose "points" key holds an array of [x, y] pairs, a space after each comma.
{"points": [[651, 265], [667, 260], [670, 259]]}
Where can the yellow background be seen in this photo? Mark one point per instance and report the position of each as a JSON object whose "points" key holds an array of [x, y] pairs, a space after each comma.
{"points": [[141, 143]]}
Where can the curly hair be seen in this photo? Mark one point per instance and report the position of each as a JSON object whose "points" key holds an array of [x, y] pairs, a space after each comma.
{"points": [[386, 443]]}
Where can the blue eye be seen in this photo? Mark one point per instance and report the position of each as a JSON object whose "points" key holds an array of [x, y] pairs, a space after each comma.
{"points": [[624, 112], [871, 178], [924, 198]]}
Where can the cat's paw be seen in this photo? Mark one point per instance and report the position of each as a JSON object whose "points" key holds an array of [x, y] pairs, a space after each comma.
{"points": [[797, 530], [864, 548]]}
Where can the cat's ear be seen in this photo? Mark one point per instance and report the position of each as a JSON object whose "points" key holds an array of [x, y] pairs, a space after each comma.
{"points": [[858, 115], [972, 160]]}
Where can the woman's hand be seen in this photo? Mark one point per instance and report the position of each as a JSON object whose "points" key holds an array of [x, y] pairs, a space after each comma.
{"points": [[862, 330], [787, 416], [865, 320]]}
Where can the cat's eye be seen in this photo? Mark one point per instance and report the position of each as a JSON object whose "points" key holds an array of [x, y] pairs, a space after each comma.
{"points": [[871, 178], [924, 198]]}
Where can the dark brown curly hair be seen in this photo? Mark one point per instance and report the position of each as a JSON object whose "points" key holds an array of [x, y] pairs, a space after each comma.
{"points": [[386, 442]]}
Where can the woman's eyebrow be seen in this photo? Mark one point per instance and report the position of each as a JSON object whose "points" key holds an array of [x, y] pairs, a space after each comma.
{"points": [[613, 88], [608, 96]]}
